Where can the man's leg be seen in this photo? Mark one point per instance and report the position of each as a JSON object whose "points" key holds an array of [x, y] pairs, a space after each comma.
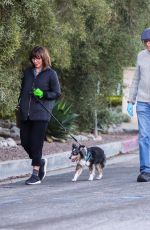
{"points": [[143, 113]]}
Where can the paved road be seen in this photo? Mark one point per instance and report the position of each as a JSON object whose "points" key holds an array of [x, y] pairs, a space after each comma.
{"points": [[116, 202]]}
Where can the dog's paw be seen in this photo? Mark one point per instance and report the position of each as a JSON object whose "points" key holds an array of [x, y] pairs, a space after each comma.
{"points": [[74, 180], [90, 178], [99, 177], [87, 163]]}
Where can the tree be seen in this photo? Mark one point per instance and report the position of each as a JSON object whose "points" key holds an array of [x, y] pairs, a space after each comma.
{"points": [[109, 44], [90, 41], [23, 25]]}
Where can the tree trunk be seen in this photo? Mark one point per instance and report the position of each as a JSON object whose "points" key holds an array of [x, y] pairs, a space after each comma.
{"points": [[95, 122]]}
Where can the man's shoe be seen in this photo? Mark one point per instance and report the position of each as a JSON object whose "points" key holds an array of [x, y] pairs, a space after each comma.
{"points": [[33, 180], [42, 170], [144, 177]]}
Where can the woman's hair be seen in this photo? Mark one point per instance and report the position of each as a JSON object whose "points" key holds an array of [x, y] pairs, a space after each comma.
{"points": [[40, 52]]}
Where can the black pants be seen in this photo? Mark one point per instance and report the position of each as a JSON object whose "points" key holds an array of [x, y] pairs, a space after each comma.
{"points": [[32, 135]]}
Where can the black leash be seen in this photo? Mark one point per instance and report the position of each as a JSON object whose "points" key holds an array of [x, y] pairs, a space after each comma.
{"points": [[57, 120]]}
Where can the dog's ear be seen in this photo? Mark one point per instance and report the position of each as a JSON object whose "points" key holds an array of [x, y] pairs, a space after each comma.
{"points": [[81, 146], [74, 146]]}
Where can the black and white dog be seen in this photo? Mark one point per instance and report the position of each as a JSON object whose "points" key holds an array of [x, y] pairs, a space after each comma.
{"points": [[92, 157]]}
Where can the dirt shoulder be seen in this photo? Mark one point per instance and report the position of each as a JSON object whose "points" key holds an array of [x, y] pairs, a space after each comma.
{"points": [[57, 147]]}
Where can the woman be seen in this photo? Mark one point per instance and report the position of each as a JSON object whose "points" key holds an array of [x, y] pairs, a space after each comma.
{"points": [[40, 85]]}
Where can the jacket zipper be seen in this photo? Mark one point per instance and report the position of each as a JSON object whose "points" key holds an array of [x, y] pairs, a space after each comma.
{"points": [[30, 98], [29, 106], [30, 95]]}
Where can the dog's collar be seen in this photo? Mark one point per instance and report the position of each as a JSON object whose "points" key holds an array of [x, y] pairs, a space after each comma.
{"points": [[88, 156]]}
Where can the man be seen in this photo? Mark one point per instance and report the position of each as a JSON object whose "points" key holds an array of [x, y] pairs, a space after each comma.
{"points": [[140, 91]]}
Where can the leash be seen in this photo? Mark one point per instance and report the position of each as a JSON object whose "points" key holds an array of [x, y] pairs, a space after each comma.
{"points": [[50, 113]]}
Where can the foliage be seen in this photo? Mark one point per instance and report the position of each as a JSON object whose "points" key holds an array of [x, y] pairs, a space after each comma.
{"points": [[9, 86], [63, 113], [109, 116], [114, 100], [23, 25], [97, 61], [90, 41]]}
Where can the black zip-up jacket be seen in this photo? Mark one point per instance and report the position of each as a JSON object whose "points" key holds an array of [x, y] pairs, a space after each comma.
{"points": [[47, 81]]}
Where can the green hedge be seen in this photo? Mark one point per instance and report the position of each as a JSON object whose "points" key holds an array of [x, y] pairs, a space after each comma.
{"points": [[114, 100]]}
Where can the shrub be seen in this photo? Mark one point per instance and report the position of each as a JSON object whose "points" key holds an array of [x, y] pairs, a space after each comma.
{"points": [[114, 100], [62, 112], [111, 116]]}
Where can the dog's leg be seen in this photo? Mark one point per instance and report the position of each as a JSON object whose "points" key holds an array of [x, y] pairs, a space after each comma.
{"points": [[79, 170], [100, 171], [92, 172]]}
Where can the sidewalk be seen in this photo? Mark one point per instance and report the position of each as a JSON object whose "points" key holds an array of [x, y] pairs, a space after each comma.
{"points": [[20, 168]]}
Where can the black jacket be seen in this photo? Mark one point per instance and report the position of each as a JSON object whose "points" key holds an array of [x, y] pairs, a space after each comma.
{"points": [[47, 81]]}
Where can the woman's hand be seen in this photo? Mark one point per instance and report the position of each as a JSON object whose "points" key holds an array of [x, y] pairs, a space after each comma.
{"points": [[38, 92]]}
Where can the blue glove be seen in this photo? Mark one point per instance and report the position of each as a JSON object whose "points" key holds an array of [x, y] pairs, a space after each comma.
{"points": [[130, 109]]}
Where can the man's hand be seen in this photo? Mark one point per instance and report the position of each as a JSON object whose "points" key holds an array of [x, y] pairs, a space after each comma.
{"points": [[38, 92], [130, 109]]}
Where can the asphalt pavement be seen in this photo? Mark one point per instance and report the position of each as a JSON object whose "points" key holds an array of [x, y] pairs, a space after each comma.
{"points": [[117, 202]]}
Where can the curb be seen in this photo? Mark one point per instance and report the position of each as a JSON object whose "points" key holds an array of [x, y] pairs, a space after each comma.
{"points": [[20, 168]]}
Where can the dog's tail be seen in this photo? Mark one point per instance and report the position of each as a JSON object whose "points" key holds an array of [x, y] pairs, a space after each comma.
{"points": [[103, 162]]}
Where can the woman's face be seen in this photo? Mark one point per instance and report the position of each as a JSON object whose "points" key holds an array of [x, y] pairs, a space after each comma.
{"points": [[147, 45], [37, 62]]}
